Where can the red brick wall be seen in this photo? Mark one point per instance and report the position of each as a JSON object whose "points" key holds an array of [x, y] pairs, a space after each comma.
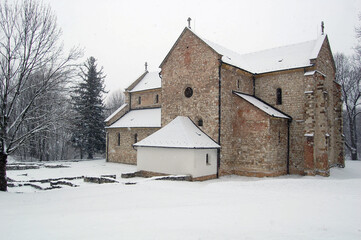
{"points": [[191, 64], [260, 141]]}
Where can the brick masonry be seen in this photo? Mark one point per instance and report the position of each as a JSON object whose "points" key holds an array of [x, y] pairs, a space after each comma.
{"points": [[252, 142], [191, 64], [124, 152], [148, 99]]}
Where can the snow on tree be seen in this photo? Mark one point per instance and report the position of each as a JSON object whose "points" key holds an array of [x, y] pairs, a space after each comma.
{"points": [[32, 65], [348, 75], [89, 132]]}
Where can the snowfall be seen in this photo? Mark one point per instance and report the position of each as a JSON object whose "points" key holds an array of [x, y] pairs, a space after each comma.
{"points": [[231, 207]]}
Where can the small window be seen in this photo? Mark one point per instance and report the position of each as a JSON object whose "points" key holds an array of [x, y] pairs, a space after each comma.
{"points": [[200, 122], [207, 160], [238, 83], [188, 92], [139, 100], [279, 96], [156, 98], [135, 138], [118, 139]]}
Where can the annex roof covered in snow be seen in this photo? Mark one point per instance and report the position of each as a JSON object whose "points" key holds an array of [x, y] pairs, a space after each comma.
{"points": [[115, 112], [270, 60], [262, 106], [151, 80], [139, 118], [179, 133]]}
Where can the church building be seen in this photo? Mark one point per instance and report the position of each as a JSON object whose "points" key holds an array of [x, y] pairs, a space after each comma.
{"points": [[268, 113]]}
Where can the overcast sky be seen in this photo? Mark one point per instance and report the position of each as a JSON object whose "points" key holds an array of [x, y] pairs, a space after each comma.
{"points": [[124, 34]]}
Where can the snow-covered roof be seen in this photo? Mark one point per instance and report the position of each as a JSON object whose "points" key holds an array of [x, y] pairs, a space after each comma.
{"points": [[262, 106], [270, 60], [179, 133], [115, 112], [151, 80], [311, 73], [139, 118]]}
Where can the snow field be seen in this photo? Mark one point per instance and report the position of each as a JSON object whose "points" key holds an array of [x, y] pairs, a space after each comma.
{"points": [[232, 207]]}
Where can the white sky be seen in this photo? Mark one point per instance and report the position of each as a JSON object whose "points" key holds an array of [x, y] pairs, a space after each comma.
{"points": [[123, 34]]}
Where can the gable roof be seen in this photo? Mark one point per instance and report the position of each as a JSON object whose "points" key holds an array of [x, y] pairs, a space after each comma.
{"points": [[179, 133], [270, 60], [275, 59], [139, 118], [263, 106], [147, 81], [115, 112]]}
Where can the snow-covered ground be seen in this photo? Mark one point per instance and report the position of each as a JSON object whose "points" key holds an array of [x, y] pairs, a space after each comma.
{"points": [[232, 207]]}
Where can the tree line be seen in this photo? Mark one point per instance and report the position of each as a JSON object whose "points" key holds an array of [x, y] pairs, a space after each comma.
{"points": [[51, 107], [348, 75]]}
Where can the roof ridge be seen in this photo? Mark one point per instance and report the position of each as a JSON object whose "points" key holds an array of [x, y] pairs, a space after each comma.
{"points": [[279, 47], [258, 51]]}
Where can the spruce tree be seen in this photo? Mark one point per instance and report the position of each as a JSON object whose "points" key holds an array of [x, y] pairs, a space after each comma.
{"points": [[89, 132]]}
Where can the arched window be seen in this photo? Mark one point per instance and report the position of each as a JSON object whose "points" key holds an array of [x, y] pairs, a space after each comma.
{"points": [[279, 96], [139, 100], [200, 122], [135, 138], [118, 139], [156, 98]]}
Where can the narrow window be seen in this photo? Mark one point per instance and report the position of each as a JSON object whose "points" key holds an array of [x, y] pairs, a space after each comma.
{"points": [[135, 138], [156, 98], [139, 100], [279, 96], [207, 160], [200, 122], [238, 83], [118, 139]]}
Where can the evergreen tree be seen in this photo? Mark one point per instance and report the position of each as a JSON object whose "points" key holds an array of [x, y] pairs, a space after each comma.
{"points": [[88, 107]]}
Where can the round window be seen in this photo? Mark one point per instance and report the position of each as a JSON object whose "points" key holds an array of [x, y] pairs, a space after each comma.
{"points": [[188, 92]]}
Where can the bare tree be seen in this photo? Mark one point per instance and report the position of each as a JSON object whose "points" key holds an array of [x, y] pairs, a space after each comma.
{"points": [[29, 48], [348, 75], [358, 37], [114, 101]]}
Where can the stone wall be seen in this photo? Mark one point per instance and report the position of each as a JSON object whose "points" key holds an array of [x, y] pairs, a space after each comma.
{"points": [[124, 152], [325, 65], [261, 142], [293, 103], [338, 130], [238, 80], [148, 99], [191, 63]]}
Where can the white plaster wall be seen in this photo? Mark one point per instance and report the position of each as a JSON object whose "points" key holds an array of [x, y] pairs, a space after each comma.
{"points": [[177, 161], [201, 168]]}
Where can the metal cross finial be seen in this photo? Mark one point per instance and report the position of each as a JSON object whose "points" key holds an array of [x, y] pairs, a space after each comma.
{"points": [[189, 22], [322, 28], [146, 66]]}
